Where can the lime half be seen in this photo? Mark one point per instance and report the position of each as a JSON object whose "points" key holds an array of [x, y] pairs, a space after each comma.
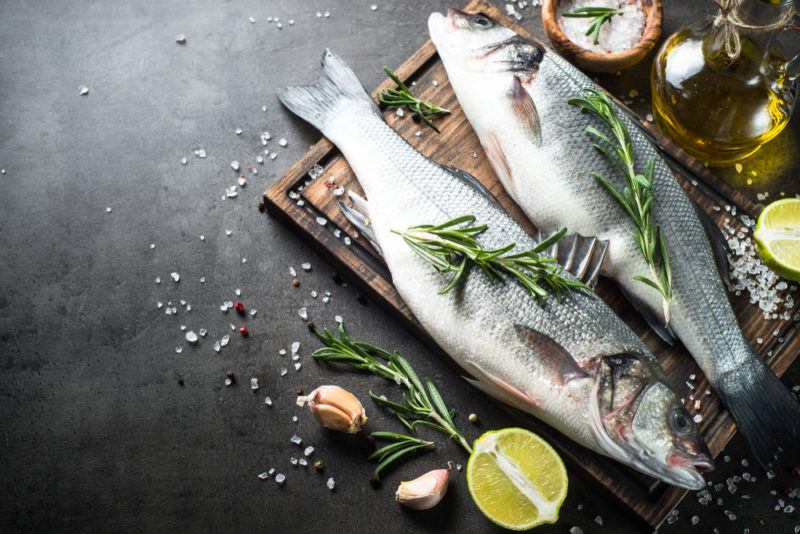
{"points": [[516, 478], [777, 237]]}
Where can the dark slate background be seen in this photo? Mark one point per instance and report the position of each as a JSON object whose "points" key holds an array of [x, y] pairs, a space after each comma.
{"points": [[104, 426]]}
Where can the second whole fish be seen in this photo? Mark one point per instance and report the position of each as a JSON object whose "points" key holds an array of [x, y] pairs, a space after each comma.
{"points": [[515, 93]]}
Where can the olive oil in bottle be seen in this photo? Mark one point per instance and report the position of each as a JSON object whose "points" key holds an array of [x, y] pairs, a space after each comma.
{"points": [[723, 109]]}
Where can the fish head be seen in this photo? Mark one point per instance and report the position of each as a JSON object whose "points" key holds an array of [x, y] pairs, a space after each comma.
{"points": [[640, 421], [477, 43]]}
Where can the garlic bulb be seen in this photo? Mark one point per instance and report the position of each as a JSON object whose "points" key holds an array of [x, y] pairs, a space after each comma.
{"points": [[424, 492]]}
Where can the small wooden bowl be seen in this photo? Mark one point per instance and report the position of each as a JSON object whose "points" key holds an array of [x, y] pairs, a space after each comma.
{"points": [[598, 61]]}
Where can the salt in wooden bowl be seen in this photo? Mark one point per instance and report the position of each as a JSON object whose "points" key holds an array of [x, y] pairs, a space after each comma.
{"points": [[601, 61]]}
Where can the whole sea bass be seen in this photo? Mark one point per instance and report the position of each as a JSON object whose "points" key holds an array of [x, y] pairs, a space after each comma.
{"points": [[574, 364], [515, 94]]}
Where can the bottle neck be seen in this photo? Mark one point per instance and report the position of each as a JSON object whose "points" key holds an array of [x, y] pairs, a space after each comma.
{"points": [[763, 13]]}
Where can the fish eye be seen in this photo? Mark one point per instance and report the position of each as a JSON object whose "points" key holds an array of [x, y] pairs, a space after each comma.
{"points": [[482, 21], [680, 421]]}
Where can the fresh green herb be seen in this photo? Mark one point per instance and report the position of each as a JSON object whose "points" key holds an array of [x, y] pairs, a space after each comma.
{"points": [[637, 197], [402, 96], [421, 403], [599, 16], [399, 447], [452, 247]]}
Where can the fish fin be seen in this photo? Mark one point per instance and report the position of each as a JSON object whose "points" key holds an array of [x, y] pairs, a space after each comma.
{"points": [[494, 151], [467, 178], [761, 406], [500, 389], [719, 245], [580, 255], [336, 85], [560, 362], [498, 393], [653, 319], [525, 109], [360, 221]]}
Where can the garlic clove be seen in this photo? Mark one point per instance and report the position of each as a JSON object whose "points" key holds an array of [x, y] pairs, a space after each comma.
{"points": [[425, 491], [337, 409]]}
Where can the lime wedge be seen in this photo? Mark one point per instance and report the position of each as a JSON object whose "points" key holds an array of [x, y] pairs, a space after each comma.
{"points": [[516, 479], [777, 237]]}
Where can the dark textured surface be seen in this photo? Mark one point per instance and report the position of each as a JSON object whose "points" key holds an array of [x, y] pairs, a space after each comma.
{"points": [[98, 434]]}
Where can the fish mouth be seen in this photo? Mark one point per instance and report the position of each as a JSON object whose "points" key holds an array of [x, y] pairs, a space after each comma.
{"points": [[439, 25], [679, 470]]}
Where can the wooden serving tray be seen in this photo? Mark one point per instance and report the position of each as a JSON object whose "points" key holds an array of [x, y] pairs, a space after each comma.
{"points": [[298, 201]]}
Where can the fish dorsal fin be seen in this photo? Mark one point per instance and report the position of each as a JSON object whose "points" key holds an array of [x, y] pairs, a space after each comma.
{"points": [[525, 109], [579, 255], [719, 245], [652, 318], [560, 363], [470, 180], [358, 215]]}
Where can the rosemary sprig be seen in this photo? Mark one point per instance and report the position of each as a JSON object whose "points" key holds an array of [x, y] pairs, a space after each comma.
{"points": [[599, 16], [637, 197], [421, 403], [452, 247], [402, 96], [399, 447]]}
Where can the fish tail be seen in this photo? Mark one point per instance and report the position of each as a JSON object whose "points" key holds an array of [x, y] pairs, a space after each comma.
{"points": [[761, 407], [337, 86]]}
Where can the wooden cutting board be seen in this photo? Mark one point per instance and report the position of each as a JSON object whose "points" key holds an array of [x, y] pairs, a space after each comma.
{"points": [[308, 206]]}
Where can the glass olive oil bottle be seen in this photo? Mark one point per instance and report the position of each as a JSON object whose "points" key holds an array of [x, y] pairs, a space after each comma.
{"points": [[719, 109]]}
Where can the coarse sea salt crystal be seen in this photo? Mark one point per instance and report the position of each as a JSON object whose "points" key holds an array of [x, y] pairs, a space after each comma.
{"points": [[268, 401], [191, 337], [303, 313], [331, 483], [254, 384], [620, 33], [296, 440], [280, 478], [295, 346]]}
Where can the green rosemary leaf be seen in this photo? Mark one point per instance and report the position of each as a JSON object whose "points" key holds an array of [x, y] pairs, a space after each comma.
{"points": [[397, 407], [438, 402], [402, 96], [397, 456], [403, 364]]}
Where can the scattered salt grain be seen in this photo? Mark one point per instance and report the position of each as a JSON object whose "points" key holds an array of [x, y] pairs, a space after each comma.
{"points": [[303, 313], [225, 340], [308, 451], [83, 90], [254, 384], [180, 38], [175, 277], [235, 165], [283, 141], [296, 440], [295, 346], [322, 221], [264, 475], [191, 337], [268, 401], [280, 478], [331, 483], [374, 7], [178, 349]]}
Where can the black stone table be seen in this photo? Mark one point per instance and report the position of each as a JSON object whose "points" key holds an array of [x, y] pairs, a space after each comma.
{"points": [[104, 426]]}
